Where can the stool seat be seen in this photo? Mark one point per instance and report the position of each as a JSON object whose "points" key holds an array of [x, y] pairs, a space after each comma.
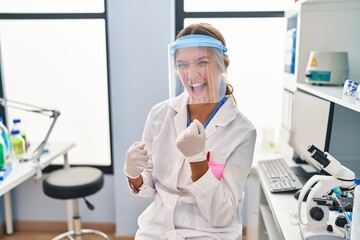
{"points": [[74, 182]]}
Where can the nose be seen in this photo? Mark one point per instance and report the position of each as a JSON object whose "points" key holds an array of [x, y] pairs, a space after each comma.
{"points": [[193, 71]]}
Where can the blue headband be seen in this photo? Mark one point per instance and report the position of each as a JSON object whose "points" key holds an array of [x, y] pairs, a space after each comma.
{"points": [[196, 40]]}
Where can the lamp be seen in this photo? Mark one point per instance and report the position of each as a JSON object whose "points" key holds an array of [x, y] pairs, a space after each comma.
{"points": [[54, 114]]}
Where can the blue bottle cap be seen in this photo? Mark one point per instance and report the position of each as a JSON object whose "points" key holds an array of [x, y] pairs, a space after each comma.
{"points": [[16, 120], [14, 132], [357, 181], [1, 119]]}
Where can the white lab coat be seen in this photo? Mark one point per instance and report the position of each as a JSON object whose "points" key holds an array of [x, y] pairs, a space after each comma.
{"points": [[207, 208]]}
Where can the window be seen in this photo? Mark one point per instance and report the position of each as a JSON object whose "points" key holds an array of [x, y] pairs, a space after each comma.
{"points": [[256, 43], [234, 5], [59, 61], [52, 6]]}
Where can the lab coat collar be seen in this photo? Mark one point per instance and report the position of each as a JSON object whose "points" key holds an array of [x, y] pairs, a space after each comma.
{"points": [[179, 104], [223, 117]]}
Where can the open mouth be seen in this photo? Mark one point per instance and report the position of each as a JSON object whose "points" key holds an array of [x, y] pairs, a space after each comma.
{"points": [[197, 87]]}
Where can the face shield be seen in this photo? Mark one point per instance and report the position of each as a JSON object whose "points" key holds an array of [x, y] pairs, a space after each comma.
{"points": [[196, 66]]}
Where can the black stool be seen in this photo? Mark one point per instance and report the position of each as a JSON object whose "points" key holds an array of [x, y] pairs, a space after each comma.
{"points": [[73, 183]]}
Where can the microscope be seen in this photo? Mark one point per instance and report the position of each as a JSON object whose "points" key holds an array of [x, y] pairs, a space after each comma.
{"points": [[315, 211]]}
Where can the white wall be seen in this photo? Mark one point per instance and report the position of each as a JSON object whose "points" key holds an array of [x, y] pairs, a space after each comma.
{"points": [[139, 31]]}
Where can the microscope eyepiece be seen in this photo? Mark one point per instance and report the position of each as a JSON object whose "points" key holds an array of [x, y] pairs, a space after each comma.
{"points": [[312, 148], [320, 157]]}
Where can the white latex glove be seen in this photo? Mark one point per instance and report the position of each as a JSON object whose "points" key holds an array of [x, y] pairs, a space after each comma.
{"points": [[136, 160], [191, 142]]}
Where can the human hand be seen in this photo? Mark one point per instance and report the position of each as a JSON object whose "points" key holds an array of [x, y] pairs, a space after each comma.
{"points": [[191, 142], [136, 160]]}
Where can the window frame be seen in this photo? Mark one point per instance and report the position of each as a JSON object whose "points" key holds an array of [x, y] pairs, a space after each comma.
{"points": [[181, 15], [71, 16]]}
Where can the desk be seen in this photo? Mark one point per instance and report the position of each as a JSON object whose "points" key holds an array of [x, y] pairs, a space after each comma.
{"points": [[273, 216], [24, 171], [268, 214]]}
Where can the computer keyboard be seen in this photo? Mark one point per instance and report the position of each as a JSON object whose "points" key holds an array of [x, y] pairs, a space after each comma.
{"points": [[279, 176]]}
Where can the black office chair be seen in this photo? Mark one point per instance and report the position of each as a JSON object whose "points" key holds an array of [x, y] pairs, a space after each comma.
{"points": [[74, 183]]}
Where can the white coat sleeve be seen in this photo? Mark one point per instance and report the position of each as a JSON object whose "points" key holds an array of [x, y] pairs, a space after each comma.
{"points": [[218, 200], [148, 188]]}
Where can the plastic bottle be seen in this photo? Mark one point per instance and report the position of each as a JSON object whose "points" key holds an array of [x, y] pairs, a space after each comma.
{"points": [[2, 153], [17, 126], [5, 136], [17, 143]]}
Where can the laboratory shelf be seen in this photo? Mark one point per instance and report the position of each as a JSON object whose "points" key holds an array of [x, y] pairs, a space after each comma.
{"points": [[333, 94]]}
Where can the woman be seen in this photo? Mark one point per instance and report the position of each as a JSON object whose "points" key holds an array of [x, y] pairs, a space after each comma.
{"points": [[196, 150]]}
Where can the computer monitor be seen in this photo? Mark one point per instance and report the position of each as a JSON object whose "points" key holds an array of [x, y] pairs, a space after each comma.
{"points": [[311, 120], [345, 132]]}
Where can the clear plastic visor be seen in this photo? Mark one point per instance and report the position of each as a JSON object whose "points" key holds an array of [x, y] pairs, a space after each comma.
{"points": [[199, 72]]}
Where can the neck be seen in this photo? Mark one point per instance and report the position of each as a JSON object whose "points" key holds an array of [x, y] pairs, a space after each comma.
{"points": [[201, 112]]}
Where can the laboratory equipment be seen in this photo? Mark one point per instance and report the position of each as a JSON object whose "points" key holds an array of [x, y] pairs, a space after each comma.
{"points": [[357, 94], [314, 213], [52, 113], [2, 153], [347, 87], [5, 136], [354, 86], [17, 144], [279, 176], [17, 126], [327, 68], [290, 50]]}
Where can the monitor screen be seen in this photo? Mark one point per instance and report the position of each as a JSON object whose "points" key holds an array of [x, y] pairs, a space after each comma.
{"points": [[345, 132], [310, 124]]}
